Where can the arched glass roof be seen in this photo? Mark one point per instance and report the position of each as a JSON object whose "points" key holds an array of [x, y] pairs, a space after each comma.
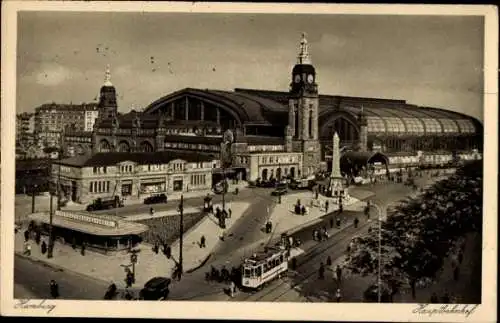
{"points": [[466, 126], [375, 124], [449, 126], [395, 125], [432, 125], [414, 125]]}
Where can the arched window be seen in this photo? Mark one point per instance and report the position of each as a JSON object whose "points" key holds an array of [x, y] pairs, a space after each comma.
{"points": [[123, 146], [104, 146], [146, 147]]}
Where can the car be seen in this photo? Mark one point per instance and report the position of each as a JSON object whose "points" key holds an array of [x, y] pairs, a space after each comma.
{"points": [[155, 289], [159, 198]]}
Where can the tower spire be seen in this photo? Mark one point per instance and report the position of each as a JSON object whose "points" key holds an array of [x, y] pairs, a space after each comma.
{"points": [[107, 77], [304, 57]]}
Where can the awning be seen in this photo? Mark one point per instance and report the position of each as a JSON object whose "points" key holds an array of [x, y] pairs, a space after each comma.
{"points": [[123, 228]]}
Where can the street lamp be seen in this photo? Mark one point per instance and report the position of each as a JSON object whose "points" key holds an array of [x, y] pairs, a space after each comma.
{"points": [[226, 156], [379, 274], [181, 235]]}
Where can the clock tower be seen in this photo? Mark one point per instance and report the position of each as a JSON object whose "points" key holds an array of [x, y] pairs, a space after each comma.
{"points": [[303, 111]]}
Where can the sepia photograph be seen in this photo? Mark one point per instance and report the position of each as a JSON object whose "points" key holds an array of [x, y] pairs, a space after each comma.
{"points": [[238, 159]]}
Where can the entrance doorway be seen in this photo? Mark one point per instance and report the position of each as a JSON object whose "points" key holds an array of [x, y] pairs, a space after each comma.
{"points": [[178, 185], [264, 174], [292, 172]]}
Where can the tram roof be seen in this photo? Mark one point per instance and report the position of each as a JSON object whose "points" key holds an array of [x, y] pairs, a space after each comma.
{"points": [[263, 255]]}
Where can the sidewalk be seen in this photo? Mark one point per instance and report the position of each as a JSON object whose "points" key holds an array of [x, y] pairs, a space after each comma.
{"points": [[284, 218], [110, 268], [193, 254]]}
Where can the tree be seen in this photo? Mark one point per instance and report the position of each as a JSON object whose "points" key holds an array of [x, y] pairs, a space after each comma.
{"points": [[421, 232]]}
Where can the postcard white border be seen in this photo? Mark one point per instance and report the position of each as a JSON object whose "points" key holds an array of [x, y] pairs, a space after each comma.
{"points": [[268, 311]]}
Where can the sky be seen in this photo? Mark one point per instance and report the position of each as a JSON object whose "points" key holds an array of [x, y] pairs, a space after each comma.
{"points": [[426, 60]]}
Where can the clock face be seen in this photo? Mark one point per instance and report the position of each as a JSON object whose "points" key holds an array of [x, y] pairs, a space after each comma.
{"points": [[310, 78], [297, 78]]}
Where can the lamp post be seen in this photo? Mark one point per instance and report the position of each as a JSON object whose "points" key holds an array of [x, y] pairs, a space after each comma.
{"points": [[379, 273], [51, 215], [225, 156], [33, 192], [181, 234]]}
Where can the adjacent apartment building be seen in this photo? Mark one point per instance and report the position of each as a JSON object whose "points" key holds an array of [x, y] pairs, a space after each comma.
{"points": [[51, 119]]}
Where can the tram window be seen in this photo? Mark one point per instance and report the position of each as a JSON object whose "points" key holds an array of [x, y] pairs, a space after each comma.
{"points": [[247, 273], [265, 267], [258, 271], [281, 259]]}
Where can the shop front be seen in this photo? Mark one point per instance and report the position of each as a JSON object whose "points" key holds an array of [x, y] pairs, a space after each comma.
{"points": [[153, 185]]}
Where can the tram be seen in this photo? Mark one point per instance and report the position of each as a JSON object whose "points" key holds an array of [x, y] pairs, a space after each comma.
{"points": [[263, 267]]}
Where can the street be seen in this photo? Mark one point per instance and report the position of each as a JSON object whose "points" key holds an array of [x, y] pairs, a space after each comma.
{"points": [[231, 252], [243, 237], [31, 280]]}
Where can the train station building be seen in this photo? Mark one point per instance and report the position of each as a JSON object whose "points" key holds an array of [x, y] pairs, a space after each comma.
{"points": [[283, 133]]}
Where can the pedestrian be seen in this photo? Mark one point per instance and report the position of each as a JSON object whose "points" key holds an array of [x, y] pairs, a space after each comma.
{"points": [[54, 289], [326, 234], [338, 296], [156, 248], [338, 223], [83, 249], [44, 247], [229, 212], [202, 242], [110, 292], [341, 208], [303, 210], [129, 279], [329, 261], [338, 271], [326, 207], [26, 235], [331, 222], [73, 243], [356, 222], [321, 271], [231, 289]]}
